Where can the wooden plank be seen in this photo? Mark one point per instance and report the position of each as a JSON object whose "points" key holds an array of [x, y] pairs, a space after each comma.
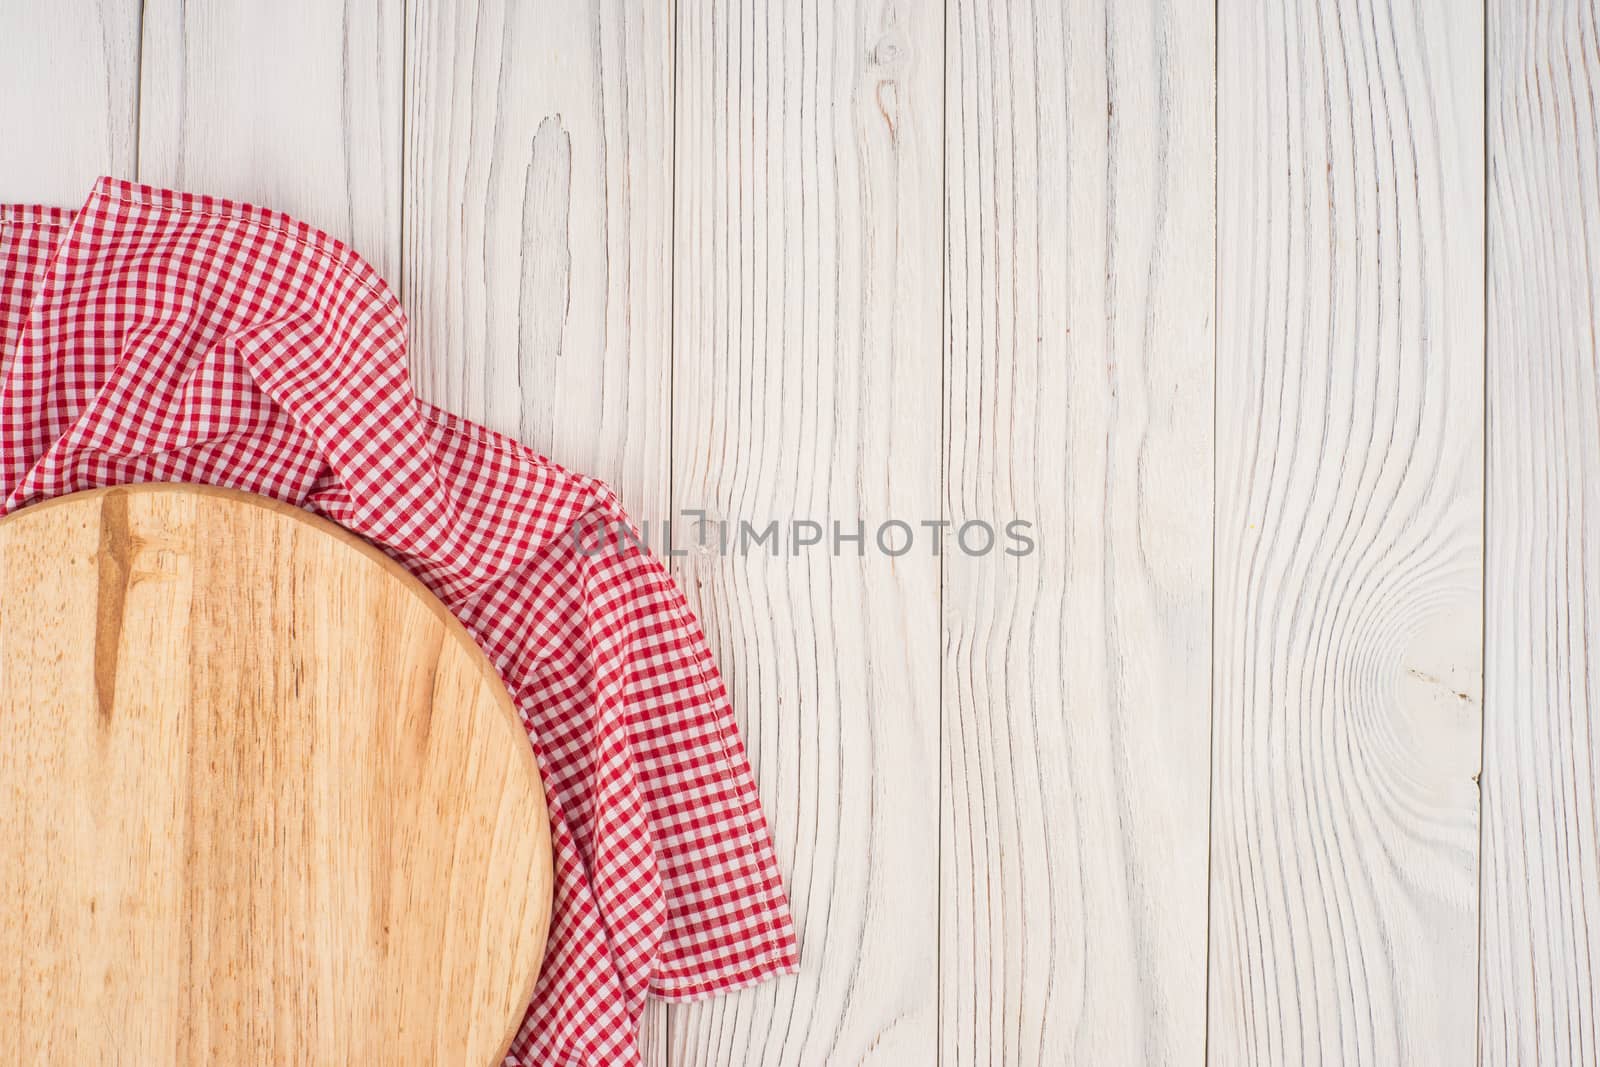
{"points": [[294, 106], [538, 171], [69, 73], [538, 223], [1539, 996], [806, 382], [1076, 678], [1348, 660]]}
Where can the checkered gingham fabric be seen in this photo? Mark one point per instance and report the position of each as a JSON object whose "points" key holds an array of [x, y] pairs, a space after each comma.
{"points": [[155, 336]]}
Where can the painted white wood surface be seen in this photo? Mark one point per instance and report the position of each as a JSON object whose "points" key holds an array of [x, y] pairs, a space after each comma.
{"points": [[1540, 961], [1079, 160], [806, 386], [944, 261], [294, 105], [1349, 511], [538, 224], [69, 77]]}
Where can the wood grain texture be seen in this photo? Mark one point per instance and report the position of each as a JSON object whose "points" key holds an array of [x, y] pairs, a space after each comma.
{"points": [[1539, 996], [538, 219], [1348, 533], [267, 801], [69, 74], [1079, 388], [806, 386], [292, 105]]}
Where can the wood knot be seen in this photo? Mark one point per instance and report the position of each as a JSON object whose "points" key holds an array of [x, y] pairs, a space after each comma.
{"points": [[890, 54]]}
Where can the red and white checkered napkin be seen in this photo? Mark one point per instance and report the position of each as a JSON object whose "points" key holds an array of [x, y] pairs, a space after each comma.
{"points": [[160, 336]]}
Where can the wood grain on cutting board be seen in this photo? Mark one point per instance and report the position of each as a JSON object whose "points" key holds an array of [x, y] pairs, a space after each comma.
{"points": [[265, 801]]}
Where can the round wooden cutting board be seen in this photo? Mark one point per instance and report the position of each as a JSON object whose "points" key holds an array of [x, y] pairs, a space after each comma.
{"points": [[262, 800]]}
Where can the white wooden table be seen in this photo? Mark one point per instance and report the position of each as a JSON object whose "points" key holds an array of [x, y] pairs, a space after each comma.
{"points": [[1277, 320]]}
